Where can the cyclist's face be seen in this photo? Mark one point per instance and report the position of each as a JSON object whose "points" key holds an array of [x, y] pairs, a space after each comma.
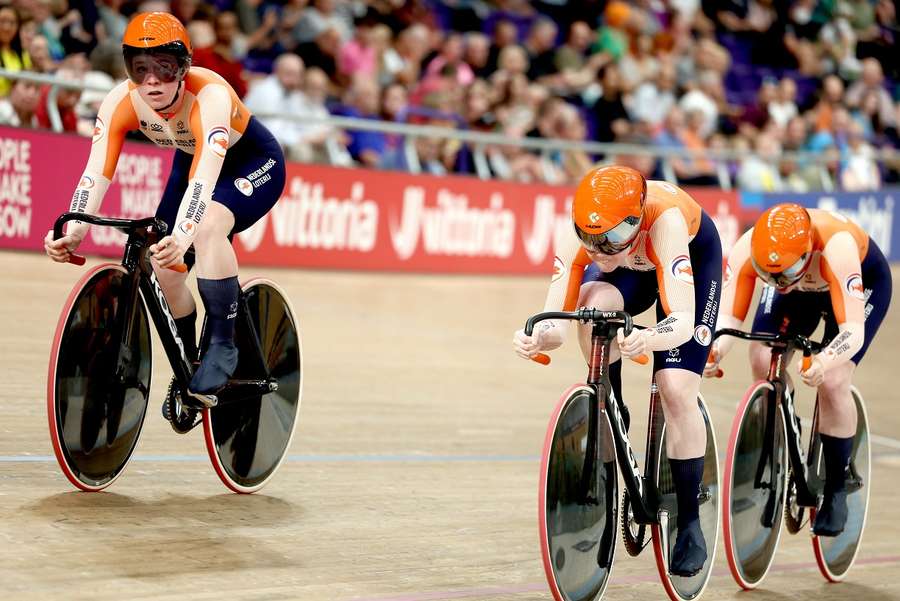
{"points": [[157, 84], [606, 262]]}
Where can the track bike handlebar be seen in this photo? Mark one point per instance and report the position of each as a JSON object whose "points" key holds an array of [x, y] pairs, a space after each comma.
{"points": [[583, 315], [788, 341], [125, 225]]}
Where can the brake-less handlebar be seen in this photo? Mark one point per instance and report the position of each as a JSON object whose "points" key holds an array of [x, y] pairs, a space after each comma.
{"points": [[788, 341], [583, 315]]}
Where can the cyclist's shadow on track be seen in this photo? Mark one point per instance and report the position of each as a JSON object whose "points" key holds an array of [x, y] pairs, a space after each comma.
{"points": [[183, 534]]}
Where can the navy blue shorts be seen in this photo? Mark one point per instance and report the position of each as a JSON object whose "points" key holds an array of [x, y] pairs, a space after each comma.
{"points": [[250, 183], [799, 312], [640, 290]]}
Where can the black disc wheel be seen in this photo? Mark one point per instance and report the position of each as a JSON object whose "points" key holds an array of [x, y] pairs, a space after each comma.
{"points": [[678, 587], [578, 500], [754, 486], [247, 440], [835, 554], [99, 378]]}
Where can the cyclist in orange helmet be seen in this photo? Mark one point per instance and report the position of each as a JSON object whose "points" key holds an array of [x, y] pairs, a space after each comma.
{"points": [[813, 263], [227, 172], [635, 243]]}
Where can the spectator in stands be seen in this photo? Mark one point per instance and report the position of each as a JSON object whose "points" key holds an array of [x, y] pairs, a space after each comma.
{"points": [[572, 55], [505, 34], [225, 55], [359, 56], [570, 127], [476, 53], [783, 107], [609, 110], [39, 51], [612, 38], [638, 64], [838, 42], [18, 109], [451, 55], [830, 98], [859, 171], [66, 100], [402, 62], [872, 81], [12, 56], [324, 15], [322, 53], [653, 99], [318, 142], [112, 23], [362, 101], [694, 138], [513, 61], [539, 45], [758, 172], [477, 107], [704, 99], [279, 94]]}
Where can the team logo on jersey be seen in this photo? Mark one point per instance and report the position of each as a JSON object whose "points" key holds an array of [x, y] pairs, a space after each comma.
{"points": [[99, 130], [244, 186], [726, 275], [187, 227], [217, 140], [86, 181], [854, 285], [680, 267], [559, 269], [703, 335]]}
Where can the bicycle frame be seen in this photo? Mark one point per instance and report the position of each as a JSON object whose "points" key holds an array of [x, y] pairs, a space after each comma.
{"points": [[641, 488], [783, 346], [141, 278]]}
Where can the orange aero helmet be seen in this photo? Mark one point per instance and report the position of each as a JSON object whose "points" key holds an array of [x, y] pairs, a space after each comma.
{"points": [[156, 43], [608, 207], [781, 244]]}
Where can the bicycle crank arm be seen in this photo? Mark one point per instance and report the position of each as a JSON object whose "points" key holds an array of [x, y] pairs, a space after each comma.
{"points": [[663, 517], [242, 390]]}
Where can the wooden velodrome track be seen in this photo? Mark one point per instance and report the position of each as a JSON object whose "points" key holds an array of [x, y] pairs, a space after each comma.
{"points": [[412, 476]]}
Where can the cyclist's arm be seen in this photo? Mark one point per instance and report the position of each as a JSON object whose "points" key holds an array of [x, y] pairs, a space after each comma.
{"points": [[114, 119], [842, 270], [669, 251], [565, 285], [210, 123], [737, 291]]}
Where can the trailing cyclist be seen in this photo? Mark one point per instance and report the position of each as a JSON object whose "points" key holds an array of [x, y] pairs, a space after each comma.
{"points": [[814, 264], [228, 171], [634, 243]]}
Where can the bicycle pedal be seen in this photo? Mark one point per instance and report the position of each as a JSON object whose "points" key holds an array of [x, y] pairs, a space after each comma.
{"points": [[206, 400]]}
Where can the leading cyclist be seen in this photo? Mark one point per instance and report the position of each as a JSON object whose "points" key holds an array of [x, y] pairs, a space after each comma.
{"points": [[815, 264], [634, 243], [227, 173]]}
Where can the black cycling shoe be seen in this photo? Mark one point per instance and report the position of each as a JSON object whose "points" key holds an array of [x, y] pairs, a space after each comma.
{"points": [[832, 516], [689, 553], [217, 365]]}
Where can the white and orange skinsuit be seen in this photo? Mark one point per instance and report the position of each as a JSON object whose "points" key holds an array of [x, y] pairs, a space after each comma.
{"points": [[839, 247], [210, 120], [670, 221]]}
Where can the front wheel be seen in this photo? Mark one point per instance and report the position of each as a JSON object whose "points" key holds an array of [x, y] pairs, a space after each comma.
{"points": [[678, 587], [247, 440], [754, 486], [578, 500], [99, 378], [835, 554]]}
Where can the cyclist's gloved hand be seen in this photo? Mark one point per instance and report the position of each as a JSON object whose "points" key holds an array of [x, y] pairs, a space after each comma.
{"points": [[711, 369], [168, 252], [528, 346], [634, 344], [815, 375], [60, 250]]}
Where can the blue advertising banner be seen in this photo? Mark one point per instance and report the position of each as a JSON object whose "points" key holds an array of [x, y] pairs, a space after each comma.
{"points": [[873, 211]]}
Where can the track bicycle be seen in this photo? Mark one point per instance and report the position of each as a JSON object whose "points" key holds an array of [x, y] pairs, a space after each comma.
{"points": [[98, 381], [578, 496], [769, 475]]}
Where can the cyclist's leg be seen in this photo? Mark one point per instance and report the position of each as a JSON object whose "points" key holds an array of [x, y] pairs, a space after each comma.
{"points": [[174, 285], [249, 185], [618, 290], [793, 312], [678, 373], [837, 419]]}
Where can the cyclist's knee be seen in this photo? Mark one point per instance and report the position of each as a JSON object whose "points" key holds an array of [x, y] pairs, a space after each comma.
{"points": [[168, 279], [760, 356], [679, 389], [836, 386], [217, 224], [601, 295]]}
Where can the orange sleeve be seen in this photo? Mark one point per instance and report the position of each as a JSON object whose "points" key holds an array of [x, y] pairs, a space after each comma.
{"points": [[740, 280], [115, 118]]}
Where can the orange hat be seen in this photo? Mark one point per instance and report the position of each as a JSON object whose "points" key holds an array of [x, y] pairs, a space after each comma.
{"points": [[151, 30], [608, 207], [781, 244], [616, 14]]}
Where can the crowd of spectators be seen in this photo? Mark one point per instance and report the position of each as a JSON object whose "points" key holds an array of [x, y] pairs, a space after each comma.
{"points": [[756, 77]]}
